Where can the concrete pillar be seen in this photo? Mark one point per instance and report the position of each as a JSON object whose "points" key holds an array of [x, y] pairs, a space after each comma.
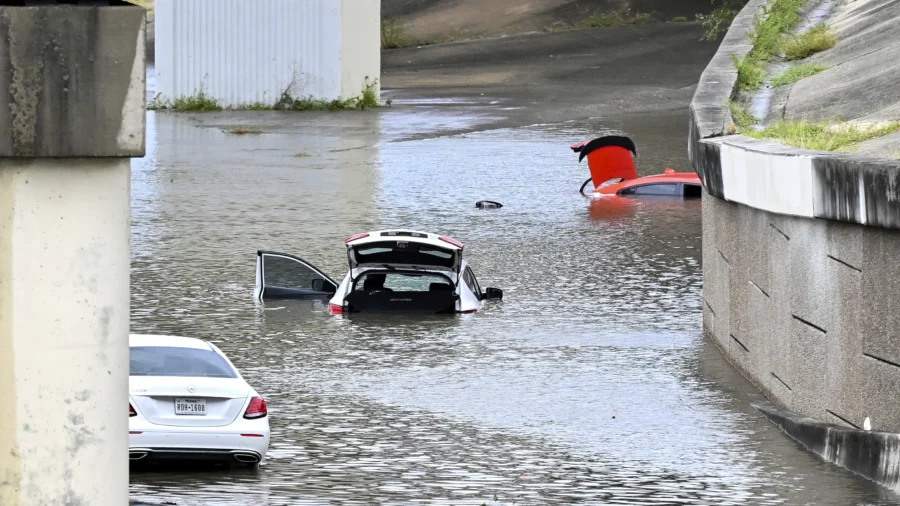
{"points": [[360, 46], [71, 116]]}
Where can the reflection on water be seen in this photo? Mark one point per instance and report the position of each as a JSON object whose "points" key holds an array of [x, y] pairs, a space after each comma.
{"points": [[589, 383]]}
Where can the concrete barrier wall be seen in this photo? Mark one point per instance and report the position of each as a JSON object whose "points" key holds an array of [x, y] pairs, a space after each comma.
{"points": [[801, 268]]}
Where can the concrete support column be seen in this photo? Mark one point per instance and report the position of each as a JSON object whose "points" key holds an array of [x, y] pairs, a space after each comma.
{"points": [[71, 120], [360, 46]]}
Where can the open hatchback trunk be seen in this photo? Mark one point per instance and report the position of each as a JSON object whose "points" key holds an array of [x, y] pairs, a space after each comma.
{"points": [[404, 250]]}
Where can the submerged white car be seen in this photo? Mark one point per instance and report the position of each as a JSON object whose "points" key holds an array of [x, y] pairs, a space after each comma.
{"points": [[187, 401], [390, 271]]}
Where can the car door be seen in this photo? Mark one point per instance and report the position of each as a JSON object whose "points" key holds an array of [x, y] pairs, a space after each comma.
{"points": [[284, 276]]}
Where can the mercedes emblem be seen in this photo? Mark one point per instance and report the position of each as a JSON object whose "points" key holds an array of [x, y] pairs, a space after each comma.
{"points": [[191, 388]]}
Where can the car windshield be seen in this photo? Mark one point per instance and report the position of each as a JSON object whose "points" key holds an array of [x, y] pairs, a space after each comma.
{"points": [[178, 361]]}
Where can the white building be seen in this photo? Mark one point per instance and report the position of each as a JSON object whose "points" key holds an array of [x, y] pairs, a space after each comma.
{"points": [[247, 51]]}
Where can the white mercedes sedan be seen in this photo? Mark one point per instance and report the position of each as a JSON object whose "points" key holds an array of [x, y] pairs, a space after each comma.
{"points": [[187, 401]]}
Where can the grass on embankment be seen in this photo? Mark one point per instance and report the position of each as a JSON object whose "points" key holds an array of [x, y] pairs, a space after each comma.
{"points": [[201, 102], [741, 115], [393, 35], [815, 40], [794, 74], [765, 36], [822, 136], [615, 18]]}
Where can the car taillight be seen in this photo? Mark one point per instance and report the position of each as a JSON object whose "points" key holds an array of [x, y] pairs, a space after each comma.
{"points": [[335, 309], [452, 241], [131, 411], [256, 409], [355, 237]]}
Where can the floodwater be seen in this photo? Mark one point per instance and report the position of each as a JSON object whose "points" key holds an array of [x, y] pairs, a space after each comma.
{"points": [[590, 383]]}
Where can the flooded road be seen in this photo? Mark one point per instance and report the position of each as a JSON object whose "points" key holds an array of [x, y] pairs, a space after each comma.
{"points": [[589, 383]]}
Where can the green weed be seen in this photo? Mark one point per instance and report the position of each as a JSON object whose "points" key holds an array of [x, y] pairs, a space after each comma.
{"points": [[815, 40], [778, 17], [615, 18], [822, 136], [198, 102], [679, 19], [368, 98], [751, 72], [741, 115], [719, 19], [794, 74], [393, 35]]}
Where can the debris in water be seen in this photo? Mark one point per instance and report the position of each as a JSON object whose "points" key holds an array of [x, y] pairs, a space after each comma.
{"points": [[488, 204]]}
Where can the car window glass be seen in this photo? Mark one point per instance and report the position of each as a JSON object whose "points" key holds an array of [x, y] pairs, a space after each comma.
{"points": [[467, 278], [652, 189], [178, 361], [288, 273], [692, 190], [401, 252], [472, 281]]}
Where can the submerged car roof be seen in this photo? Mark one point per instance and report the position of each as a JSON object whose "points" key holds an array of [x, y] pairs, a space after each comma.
{"points": [[404, 235], [169, 341]]}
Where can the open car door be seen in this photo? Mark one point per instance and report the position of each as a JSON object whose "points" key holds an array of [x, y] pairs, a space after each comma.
{"points": [[283, 276]]}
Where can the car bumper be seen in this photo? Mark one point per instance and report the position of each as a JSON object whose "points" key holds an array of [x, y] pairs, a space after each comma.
{"points": [[245, 445]]}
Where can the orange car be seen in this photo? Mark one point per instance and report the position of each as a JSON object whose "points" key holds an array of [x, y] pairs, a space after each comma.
{"points": [[611, 161]]}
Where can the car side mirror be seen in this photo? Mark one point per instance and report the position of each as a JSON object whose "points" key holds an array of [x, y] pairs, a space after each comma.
{"points": [[493, 293]]}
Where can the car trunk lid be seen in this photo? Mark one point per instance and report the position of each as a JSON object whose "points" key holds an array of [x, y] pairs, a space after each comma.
{"points": [[189, 401], [398, 253]]}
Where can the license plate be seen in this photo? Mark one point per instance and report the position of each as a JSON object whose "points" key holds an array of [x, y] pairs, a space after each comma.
{"points": [[190, 406]]}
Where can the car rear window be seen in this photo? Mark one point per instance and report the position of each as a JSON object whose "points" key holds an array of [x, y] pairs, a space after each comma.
{"points": [[177, 361], [400, 252]]}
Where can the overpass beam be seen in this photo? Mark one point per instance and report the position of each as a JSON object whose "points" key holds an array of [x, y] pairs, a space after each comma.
{"points": [[72, 113]]}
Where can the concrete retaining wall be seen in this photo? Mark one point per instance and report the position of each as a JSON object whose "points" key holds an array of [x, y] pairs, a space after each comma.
{"points": [[801, 266], [806, 309]]}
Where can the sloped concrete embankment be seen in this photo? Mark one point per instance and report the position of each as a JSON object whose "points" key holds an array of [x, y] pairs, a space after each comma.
{"points": [[861, 82], [801, 279]]}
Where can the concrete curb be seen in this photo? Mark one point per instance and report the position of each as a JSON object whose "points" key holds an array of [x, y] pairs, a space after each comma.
{"points": [[780, 179], [774, 177], [873, 455]]}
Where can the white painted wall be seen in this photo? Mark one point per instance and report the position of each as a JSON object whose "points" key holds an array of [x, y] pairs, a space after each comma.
{"points": [[774, 182], [242, 51]]}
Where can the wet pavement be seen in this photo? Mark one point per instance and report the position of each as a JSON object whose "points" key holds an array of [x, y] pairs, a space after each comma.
{"points": [[588, 384]]}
